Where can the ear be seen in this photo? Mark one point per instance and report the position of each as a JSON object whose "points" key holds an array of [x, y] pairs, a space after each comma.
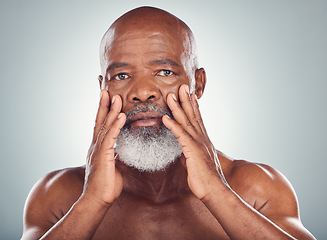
{"points": [[200, 82], [100, 78]]}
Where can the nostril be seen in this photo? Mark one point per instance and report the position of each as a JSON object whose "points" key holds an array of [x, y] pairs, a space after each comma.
{"points": [[136, 99], [152, 96]]}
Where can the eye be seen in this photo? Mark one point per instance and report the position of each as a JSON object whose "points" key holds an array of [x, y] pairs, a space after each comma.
{"points": [[120, 76], [165, 73]]}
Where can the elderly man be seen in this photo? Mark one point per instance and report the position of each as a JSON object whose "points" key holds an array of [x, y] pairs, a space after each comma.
{"points": [[151, 171]]}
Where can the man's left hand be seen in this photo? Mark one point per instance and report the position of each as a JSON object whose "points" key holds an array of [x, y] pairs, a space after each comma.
{"points": [[201, 160]]}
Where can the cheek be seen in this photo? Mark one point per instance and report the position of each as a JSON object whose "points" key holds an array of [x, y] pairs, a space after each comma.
{"points": [[118, 89], [172, 89], [113, 89]]}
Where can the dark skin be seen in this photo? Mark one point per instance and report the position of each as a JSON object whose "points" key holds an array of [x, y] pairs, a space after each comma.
{"points": [[194, 198]]}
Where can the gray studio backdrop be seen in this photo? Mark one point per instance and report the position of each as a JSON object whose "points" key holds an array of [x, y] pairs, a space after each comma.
{"points": [[265, 100]]}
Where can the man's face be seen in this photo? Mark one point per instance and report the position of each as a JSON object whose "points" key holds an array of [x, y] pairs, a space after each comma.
{"points": [[144, 66]]}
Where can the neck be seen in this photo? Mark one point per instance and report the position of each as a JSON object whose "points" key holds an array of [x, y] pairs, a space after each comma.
{"points": [[157, 187]]}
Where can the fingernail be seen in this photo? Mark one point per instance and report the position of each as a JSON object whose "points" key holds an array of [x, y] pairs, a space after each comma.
{"points": [[174, 97], [187, 89], [167, 116], [113, 99], [120, 115]]}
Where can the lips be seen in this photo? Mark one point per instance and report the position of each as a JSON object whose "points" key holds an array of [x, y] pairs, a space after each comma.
{"points": [[145, 119]]}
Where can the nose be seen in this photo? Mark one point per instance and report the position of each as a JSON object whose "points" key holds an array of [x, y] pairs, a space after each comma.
{"points": [[143, 90]]}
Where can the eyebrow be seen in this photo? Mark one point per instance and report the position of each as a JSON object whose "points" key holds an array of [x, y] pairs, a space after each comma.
{"points": [[161, 61], [164, 61], [115, 65]]}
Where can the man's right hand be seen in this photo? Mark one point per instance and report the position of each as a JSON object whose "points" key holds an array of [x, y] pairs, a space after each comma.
{"points": [[103, 181]]}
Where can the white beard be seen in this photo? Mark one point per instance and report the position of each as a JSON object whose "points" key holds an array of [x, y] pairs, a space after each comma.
{"points": [[147, 148]]}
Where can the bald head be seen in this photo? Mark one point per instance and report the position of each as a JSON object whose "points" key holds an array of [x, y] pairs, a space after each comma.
{"points": [[149, 18], [155, 21]]}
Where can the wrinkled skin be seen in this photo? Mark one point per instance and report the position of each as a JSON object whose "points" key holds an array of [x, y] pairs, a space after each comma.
{"points": [[147, 56]]}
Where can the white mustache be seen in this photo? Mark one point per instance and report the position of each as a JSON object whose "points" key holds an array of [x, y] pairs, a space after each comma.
{"points": [[148, 107]]}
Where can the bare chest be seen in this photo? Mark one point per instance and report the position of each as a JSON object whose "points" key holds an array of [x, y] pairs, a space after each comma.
{"points": [[186, 218]]}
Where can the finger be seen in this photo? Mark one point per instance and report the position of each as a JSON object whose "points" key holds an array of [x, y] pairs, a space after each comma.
{"points": [[115, 109], [180, 115], [183, 137], [109, 138], [184, 96], [101, 114], [196, 108]]}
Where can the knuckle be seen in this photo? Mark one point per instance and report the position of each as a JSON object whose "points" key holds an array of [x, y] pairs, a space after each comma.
{"points": [[114, 111], [97, 123], [189, 124], [185, 135], [96, 130], [195, 118], [104, 128], [199, 119], [114, 127]]}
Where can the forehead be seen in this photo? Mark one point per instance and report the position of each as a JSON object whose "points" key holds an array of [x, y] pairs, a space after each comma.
{"points": [[142, 39]]}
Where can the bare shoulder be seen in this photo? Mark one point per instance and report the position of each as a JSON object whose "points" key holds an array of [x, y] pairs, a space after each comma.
{"points": [[262, 186], [51, 197], [266, 190]]}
